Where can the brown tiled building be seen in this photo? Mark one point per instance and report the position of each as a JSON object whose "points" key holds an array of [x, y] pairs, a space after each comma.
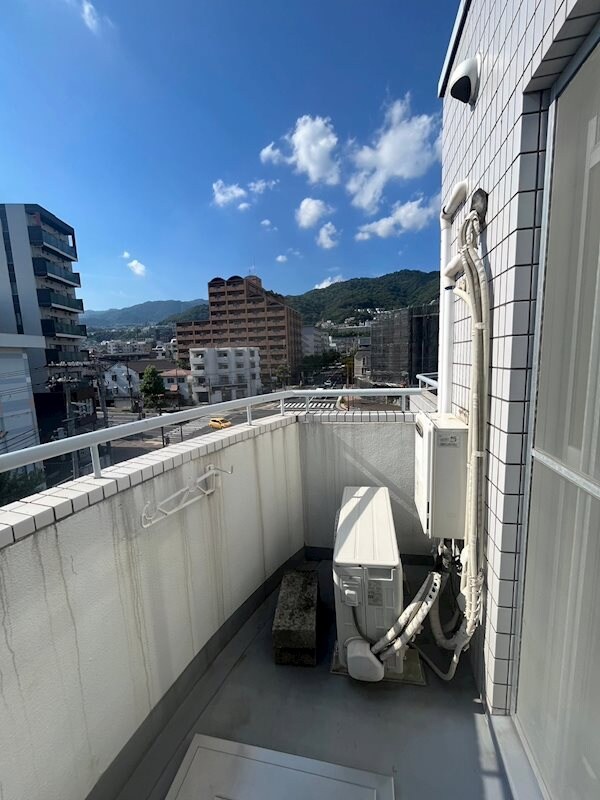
{"points": [[242, 313]]}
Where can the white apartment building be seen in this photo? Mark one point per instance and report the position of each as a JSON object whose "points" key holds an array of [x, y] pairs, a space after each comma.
{"points": [[122, 381], [225, 373], [18, 420]]}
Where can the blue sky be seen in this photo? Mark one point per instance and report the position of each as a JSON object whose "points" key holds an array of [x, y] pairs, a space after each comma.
{"points": [[195, 138]]}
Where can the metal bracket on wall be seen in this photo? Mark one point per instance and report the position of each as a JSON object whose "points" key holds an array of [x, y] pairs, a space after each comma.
{"points": [[197, 488]]}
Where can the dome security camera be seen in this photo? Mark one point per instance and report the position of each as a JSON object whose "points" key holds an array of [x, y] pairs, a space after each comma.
{"points": [[464, 81]]}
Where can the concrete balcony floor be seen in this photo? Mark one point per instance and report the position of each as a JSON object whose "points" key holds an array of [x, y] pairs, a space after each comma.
{"points": [[435, 740]]}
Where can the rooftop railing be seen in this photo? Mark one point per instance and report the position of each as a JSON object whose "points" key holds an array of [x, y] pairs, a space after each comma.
{"points": [[92, 440]]}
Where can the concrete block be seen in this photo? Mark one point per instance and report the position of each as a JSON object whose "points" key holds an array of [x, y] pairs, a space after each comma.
{"points": [[295, 622]]}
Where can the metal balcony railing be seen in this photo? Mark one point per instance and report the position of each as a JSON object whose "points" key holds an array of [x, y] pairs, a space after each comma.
{"points": [[44, 268], [48, 298], [55, 327], [41, 238], [31, 455]]}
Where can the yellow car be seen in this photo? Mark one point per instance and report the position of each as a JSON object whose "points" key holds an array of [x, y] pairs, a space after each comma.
{"points": [[218, 423]]}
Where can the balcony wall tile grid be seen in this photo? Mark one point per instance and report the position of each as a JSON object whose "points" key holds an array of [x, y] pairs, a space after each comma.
{"points": [[499, 145], [25, 517]]}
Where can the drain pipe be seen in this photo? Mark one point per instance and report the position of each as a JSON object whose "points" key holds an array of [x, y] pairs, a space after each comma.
{"points": [[457, 197]]}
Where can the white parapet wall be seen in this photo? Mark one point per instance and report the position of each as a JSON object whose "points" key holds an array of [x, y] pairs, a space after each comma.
{"points": [[99, 616], [359, 449]]}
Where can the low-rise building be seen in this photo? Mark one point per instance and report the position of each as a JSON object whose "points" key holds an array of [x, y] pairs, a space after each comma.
{"points": [[178, 381], [116, 347], [225, 373], [122, 381], [362, 363]]}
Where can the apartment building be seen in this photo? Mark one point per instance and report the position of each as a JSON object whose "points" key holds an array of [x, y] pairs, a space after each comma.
{"points": [[404, 343], [39, 314], [243, 314], [225, 373], [315, 341]]}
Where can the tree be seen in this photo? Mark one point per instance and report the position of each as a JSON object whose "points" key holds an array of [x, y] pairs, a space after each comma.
{"points": [[152, 389], [282, 373], [17, 484]]}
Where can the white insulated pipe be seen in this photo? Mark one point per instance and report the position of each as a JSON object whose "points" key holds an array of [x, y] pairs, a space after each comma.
{"points": [[445, 355]]}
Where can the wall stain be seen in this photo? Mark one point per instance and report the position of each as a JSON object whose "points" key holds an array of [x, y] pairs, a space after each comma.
{"points": [[133, 573], [7, 629], [76, 642], [38, 554], [187, 566]]}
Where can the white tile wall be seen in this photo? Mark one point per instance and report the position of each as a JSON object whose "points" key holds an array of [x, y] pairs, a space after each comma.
{"points": [[499, 145]]}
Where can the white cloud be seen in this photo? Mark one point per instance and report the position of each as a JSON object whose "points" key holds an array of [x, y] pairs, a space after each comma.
{"points": [[327, 236], [92, 19], [329, 281], [294, 252], [272, 154], [90, 16], [281, 259], [227, 193], [413, 215], [260, 186], [268, 225], [137, 268], [311, 143], [310, 211], [244, 206], [405, 147], [125, 254]]}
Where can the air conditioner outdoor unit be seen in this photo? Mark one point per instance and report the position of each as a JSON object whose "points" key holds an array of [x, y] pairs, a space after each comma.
{"points": [[441, 474], [367, 576]]}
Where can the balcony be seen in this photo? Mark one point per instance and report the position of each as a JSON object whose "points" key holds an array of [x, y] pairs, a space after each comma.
{"points": [[41, 238], [48, 269], [55, 327], [138, 617], [54, 356], [49, 299]]}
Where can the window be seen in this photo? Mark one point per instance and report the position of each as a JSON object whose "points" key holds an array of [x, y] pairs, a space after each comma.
{"points": [[170, 380], [558, 701], [114, 377]]}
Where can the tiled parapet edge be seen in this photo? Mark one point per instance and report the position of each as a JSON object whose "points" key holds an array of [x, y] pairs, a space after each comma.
{"points": [[24, 517]]}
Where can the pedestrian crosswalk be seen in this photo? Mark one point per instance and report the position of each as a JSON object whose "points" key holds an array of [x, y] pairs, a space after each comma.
{"points": [[315, 405]]}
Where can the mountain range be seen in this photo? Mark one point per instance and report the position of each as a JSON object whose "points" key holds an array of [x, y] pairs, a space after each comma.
{"points": [[335, 302], [149, 313]]}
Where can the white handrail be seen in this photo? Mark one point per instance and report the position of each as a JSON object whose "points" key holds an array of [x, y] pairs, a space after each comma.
{"points": [[428, 379], [91, 440]]}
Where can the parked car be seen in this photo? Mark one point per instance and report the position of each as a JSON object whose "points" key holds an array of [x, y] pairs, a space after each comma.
{"points": [[219, 423]]}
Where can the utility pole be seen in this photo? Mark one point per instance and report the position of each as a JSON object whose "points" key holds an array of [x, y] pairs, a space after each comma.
{"points": [[102, 399], [71, 422], [129, 382]]}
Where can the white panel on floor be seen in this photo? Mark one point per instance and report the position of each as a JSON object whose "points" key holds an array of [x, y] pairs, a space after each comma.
{"points": [[215, 769]]}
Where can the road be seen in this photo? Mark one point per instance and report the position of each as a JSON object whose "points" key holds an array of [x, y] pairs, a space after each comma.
{"points": [[123, 449]]}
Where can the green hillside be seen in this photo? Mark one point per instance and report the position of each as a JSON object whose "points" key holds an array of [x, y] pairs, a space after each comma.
{"points": [[340, 300]]}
